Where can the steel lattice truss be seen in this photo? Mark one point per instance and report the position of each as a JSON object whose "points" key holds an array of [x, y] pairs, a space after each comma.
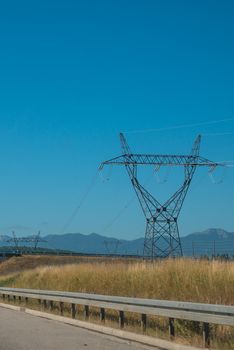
{"points": [[162, 237], [35, 239]]}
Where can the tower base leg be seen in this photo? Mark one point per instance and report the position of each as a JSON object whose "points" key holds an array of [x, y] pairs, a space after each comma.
{"points": [[162, 239]]}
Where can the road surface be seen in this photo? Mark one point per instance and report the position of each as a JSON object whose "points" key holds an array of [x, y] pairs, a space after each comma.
{"points": [[21, 331]]}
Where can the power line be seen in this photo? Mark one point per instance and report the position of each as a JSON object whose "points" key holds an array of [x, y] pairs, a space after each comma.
{"points": [[192, 125], [118, 215], [81, 202], [122, 210], [219, 134]]}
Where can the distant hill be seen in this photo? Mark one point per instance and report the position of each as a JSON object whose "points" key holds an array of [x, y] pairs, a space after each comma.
{"points": [[93, 243], [199, 243], [212, 241], [208, 242], [210, 235]]}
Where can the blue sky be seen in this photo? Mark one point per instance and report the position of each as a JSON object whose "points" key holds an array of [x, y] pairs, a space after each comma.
{"points": [[75, 73]]}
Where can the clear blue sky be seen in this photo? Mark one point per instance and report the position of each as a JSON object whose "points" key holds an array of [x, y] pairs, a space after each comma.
{"points": [[75, 73]]}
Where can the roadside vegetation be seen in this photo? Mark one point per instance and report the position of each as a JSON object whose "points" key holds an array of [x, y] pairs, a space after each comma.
{"points": [[182, 279], [28, 262], [172, 279]]}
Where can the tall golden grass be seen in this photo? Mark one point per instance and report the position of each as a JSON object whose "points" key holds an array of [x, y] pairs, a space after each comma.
{"points": [[27, 262], [173, 279]]}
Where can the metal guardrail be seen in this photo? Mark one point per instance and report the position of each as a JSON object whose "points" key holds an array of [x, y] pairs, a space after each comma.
{"points": [[198, 312]]}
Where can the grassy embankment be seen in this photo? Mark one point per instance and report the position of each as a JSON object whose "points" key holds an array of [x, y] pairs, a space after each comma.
{"points": [[184, 280]]}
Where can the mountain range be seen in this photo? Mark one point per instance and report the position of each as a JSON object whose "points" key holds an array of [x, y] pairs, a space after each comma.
{"points": [[209, 242]]}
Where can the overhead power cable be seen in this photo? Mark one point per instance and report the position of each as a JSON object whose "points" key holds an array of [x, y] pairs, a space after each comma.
{"points": [[123, 209], [219, 134], [118, 215], [174, 127], [81, 202]]}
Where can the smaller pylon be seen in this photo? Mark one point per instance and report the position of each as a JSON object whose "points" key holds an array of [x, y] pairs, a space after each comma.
{"points": [[35, 239], [112, 246]]}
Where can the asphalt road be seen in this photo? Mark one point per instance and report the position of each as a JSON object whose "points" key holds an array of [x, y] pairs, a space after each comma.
{"points": [[21, 331]]}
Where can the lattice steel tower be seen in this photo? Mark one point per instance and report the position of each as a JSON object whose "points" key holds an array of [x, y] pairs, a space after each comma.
{"points": [[162, 237]]}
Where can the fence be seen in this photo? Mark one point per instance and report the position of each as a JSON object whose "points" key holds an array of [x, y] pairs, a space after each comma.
{"points": [[212, 248]]}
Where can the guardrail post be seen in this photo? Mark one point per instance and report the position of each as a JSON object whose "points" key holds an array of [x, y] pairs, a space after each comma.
{"points": [[73, 310], [8, 297], [19, 299], [14, 299], [143, 322], [121, 319], [102, 314], [171, 328], [51, 305], [44, 304], [3, 297], [26, 300], [206, 334], [61, 304], [86, 312]]}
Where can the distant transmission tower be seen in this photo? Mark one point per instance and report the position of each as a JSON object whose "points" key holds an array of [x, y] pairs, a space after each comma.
{"points": [[162, 237], [35, 239], [112, 246]]}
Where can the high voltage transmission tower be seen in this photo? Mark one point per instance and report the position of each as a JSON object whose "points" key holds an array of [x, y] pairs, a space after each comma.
{"points": [[35, 239], [162, 237]]}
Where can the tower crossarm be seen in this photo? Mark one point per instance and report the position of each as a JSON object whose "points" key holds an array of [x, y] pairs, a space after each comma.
{"points": [[160, 160], [25, 240]]}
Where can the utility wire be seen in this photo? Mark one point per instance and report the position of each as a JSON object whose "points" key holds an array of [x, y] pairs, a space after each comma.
{"points": [[118, 215], [219, 134], [180, 126], [122, 210], [81, 202]]}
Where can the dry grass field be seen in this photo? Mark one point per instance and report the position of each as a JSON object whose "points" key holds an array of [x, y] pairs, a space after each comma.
{"points": [[27, 262], [172, 279], [182, 279]]}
